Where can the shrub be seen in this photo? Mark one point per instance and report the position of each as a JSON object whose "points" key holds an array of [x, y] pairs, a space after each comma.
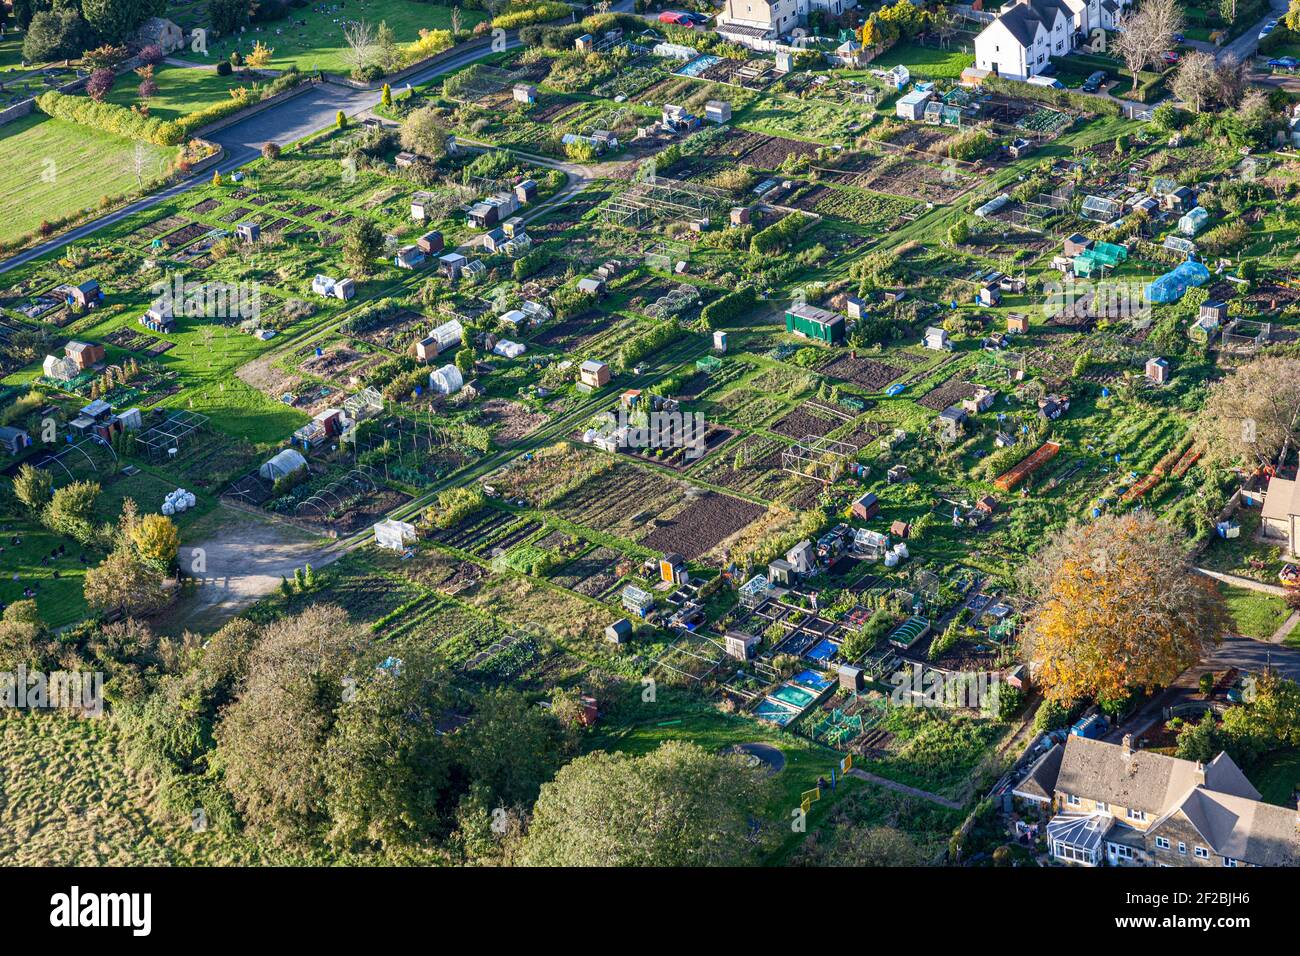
{"points": [[519, 15], [730, 307], [224, 68]]}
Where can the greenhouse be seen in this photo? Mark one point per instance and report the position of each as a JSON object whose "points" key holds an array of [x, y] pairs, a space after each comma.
{"points": [[1173, 285], [1101, 209], [1193, 222]]}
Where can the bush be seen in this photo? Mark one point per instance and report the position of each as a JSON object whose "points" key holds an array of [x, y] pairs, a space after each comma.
{"points": [[730, 307], [224, 68], [520, 15], [779, 236], [109, 118]]}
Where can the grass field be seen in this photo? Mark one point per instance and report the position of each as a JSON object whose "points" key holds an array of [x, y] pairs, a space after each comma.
{"points": [[926, 62], [319, 45], [58, 600], [180, 90], [1254, 614], [49, 169], [66, 800]]}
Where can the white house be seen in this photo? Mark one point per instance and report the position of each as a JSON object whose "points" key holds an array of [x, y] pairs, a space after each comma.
{"points": [[759, 24], [1027, 33]]}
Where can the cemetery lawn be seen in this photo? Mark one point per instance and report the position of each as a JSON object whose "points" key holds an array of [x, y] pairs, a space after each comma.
{"points": [[50, 169]]}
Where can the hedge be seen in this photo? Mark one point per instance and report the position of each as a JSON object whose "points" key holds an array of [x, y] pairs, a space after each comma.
{"points": [[729, 308], [521, 16], [1046, 94], [779, 236], [109, 118]]}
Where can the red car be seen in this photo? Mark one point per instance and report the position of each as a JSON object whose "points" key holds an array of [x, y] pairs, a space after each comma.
{"points": [[1170, 57], [677, 19]]}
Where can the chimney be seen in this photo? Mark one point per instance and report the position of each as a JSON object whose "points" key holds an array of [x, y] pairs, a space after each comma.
{"points": [[1200, 774], [1128, 745]]}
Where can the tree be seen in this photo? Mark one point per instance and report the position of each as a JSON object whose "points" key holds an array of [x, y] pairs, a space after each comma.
{"points": [[465, 363], [32, 487], [1146, 33], [271, 740], [227, 16], [361, 49], [423, 132], [115, 19], [1253, 414], [260, 55], [363, 243], [106, 57], [387, 53], [271, 151], [216, 177], [456, 20], [1230, 79], [386, 767], [1195, 79], [386, 97], [679, 805], [340, 120], [55, 35], [148, 85], [24, 638], [1292, 18], [71, 510], [123, 582], [1119, 607], [510, 747], [156, 541]]}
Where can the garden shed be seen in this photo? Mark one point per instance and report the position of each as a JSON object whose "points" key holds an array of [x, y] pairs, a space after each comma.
{"points": [[912, 105]]}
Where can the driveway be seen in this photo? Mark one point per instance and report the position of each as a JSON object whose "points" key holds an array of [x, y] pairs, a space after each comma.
{"points": [[1246, 45]]}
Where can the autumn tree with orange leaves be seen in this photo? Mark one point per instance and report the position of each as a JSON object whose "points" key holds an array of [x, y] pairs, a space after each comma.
{"points": [[1119, 608]]}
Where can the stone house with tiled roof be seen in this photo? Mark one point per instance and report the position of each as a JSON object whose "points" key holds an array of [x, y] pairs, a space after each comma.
{"points": [[1125, 807]]}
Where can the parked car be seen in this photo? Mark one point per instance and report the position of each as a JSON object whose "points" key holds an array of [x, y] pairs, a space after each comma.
{"points": [[1268, 28], [678, 19], [1093, 83], [1170, 56], [1283, 63], [698, 18], [1179, 38]]}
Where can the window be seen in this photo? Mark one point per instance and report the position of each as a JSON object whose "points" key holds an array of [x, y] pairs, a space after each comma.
{"points": [[1121, 852], [1229, 861], [1072, 799], [1162, 843], [1182, 848], [1202, 853], [1139, 815], [1103, 806]]}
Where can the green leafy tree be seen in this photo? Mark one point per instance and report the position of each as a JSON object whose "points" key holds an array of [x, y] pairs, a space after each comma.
{"points": [[32, 487], [679, 805], [362, 245], [71, 510]]}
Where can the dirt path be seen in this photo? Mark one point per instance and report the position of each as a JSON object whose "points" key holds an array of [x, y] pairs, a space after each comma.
{"points": [[244, 559], [1236, 581], [904, 788]]}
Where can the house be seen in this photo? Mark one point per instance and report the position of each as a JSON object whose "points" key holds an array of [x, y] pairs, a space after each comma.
{"points": [[160, 32], [430, 243], [672, 569], [446, 380], [760, 24], [937, 339], [451, 265], [408, 257], [866, 507], [1157, 371], [1019, 43], [952, 421], [1280, 519], [740, 644], [83, 354], [620, 632], [13, 440], [811, 322], [1125, 807], [513, 227], [1017, 323], [1181, 199], [593, 374], [524, 93]]}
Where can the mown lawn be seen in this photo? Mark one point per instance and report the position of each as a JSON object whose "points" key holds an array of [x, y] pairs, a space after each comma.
{"points": [[181, 90], [50, 169], [59, 600], [1254, 614], [319, 44], [926, 62]]}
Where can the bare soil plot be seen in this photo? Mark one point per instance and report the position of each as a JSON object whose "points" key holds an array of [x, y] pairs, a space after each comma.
{"points": [[708, 519], [950, 393], [807, 420], [513, 421], [862, 371]]}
